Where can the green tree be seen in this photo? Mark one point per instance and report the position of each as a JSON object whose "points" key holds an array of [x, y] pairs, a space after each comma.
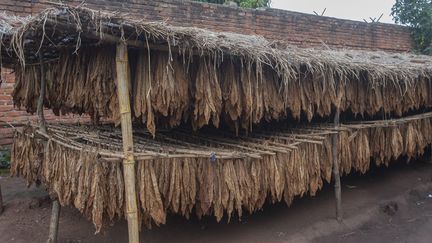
{"points": [[242, 3], [418, 15]]}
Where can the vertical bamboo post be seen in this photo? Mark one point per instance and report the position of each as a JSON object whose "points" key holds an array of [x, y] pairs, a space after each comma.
{"points": [[1, 201], [335, 170], [55, 211], [122, 68], [54, 222], [39, 111]]}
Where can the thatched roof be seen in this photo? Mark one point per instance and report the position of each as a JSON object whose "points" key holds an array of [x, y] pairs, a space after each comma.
{"points": [[186, 74], [75, 26]]}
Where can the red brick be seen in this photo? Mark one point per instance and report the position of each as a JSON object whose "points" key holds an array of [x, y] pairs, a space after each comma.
{"points": [[6, 141], [273, 24]]}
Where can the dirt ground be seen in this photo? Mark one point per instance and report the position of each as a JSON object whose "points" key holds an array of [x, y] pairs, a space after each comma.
{"points": [[385, 205]]}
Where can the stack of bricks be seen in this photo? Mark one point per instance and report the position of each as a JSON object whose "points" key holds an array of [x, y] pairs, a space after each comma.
{"points": [[303, 30]]}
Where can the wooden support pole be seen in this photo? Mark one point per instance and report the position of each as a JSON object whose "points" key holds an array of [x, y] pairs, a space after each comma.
{"points": [[335, 170], [55, 211], [1, 201], [122, 68], [55, 215], [40, 104]]}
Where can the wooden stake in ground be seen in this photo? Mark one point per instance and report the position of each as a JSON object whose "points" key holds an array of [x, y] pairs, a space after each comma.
{"points": [[1, 201], [55, 215], [335, 170], [122, 68]]}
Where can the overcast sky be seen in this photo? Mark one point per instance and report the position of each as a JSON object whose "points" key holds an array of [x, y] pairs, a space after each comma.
{"points": [[346, 9]]}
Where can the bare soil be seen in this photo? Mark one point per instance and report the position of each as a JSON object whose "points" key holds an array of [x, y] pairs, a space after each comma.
{"points": [[385, 205]]}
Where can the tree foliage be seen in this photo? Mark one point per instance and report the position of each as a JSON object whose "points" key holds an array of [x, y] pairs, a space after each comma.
{"points": [[242, 3], [418, 15], [5, 158]]}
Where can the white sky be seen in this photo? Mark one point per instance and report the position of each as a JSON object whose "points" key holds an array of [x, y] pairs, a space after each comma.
{"points": [[345, 9]]}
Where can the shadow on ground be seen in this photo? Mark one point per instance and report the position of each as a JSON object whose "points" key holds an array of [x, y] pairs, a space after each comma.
{"points": [[386, 204]]}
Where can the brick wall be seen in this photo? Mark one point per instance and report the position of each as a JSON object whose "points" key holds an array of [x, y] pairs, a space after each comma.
{"points": [[6, 106], [299, 29], [10, 116], [291, 27]]}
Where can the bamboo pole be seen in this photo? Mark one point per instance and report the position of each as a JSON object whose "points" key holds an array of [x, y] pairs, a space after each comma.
{"points": [[122, 68], [335, 169], [55, 215], [41, 118], [55, 211], [1, 201]]}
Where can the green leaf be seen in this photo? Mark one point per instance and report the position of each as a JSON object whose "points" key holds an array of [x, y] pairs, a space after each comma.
{"points": [[418, 15]]}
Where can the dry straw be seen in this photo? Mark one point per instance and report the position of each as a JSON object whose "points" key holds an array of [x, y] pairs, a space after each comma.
{"points": [[184, 74], [205, 174]]}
